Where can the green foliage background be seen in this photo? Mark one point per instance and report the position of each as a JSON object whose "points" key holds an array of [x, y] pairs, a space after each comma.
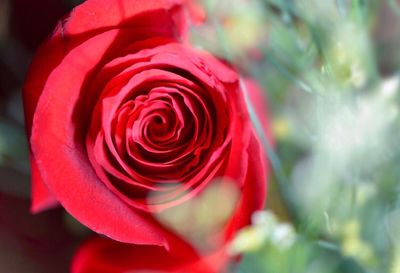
{"points": [[330, 71]]}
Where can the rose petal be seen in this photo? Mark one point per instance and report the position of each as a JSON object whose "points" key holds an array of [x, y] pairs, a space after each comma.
{"points": [[99, 15], [103, 255], [254, 189]]}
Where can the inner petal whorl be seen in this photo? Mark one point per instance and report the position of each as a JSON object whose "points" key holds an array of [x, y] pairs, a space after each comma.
{"points": [[161, 132]]}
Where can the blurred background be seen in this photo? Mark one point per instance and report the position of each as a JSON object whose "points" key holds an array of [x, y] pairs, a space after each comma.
{"points": [[331, 74]]}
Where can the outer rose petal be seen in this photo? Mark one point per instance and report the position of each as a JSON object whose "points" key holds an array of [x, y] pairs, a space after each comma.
{"points": [[100, 15], [69, 169], [254, 190], [102, 255]]}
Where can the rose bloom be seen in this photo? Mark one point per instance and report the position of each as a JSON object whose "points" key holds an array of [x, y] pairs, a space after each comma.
{"points": [[127, 121]]}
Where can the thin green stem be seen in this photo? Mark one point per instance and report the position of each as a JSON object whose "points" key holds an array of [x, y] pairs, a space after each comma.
{"points": [[272, 156], [285, 72]]}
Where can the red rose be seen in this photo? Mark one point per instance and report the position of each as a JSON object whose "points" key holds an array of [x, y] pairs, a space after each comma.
{"points": [[126, 120]]}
